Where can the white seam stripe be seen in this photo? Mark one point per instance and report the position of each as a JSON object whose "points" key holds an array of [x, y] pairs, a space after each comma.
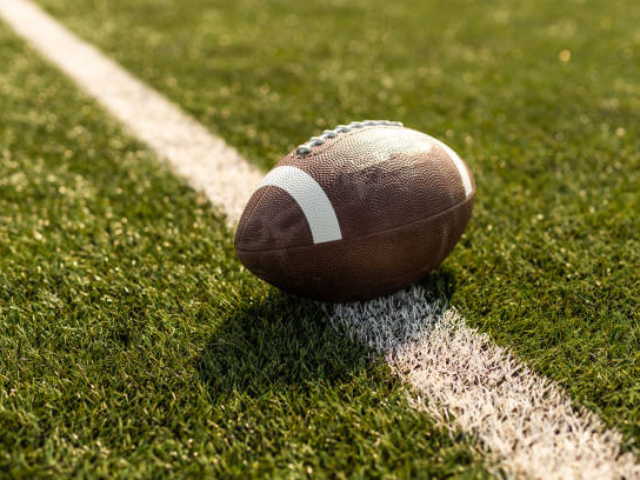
{"points": [[462, 169], [311, 198], [456, 374]]}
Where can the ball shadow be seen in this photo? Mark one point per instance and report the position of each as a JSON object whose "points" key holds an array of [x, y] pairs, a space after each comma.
{"points": [[441, 284], [286, 341], [281, 342]]}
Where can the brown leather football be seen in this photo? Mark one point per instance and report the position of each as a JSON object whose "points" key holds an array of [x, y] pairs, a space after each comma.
{"points": [[359, 212]]}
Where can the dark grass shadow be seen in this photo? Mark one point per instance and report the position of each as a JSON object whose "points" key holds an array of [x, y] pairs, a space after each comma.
{"points": [[287, 341], [440, 284], [281, 342]]}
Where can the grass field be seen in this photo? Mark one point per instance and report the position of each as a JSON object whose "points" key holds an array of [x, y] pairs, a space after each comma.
{"points": [[550, 264], [132, 342]]}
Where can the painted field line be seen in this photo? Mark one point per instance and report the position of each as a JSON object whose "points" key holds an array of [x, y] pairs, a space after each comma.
{"points": [[458, 375], [463, 379], [207, 162]]}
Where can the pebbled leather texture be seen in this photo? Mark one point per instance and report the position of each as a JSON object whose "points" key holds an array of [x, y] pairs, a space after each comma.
{"points": [[400, 203]]}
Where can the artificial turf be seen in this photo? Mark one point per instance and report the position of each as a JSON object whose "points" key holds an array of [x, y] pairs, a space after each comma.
{"points": [[541, 98], [132, 343]]}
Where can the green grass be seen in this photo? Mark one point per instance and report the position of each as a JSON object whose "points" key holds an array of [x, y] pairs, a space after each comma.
{"points": [[133, 345], [541, 98]]}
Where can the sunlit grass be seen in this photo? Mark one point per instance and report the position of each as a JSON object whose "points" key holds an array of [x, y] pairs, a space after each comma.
{"points": [[541, 99], [133, 345]]}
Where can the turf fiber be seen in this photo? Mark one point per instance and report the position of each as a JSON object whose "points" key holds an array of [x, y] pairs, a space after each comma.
{"points": [[540, 98], [133, 345]]}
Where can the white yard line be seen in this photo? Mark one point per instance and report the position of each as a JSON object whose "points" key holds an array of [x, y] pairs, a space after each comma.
{"points": [[460, 377], [207, 162], [456, 374]]}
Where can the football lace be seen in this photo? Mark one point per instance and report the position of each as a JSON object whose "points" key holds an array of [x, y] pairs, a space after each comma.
{"points": [[327, 134]]}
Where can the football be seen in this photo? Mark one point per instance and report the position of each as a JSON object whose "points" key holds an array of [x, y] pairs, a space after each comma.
{"points": [[359, 212]]}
